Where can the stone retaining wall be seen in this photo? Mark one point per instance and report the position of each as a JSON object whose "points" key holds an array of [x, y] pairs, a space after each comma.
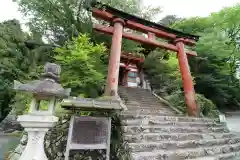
{"points": [[55, 146]]}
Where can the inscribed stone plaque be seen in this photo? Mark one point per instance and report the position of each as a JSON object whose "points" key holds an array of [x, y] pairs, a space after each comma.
{"points": [[89, 133], [90, 130]]}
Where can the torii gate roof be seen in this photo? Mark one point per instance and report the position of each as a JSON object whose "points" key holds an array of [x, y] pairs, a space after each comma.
{"points": [[127, 16]]}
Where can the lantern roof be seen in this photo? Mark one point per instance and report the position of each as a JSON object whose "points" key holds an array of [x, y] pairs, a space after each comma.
{"points": [[90, 104], [47, 85]]}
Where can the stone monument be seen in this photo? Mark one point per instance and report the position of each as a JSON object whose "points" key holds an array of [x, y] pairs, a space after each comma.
{"points": [[90, 132], [38, 121]]}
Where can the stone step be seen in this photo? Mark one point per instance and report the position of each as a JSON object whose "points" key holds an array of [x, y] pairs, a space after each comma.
{"points": [[135, 94], [139, 96], [171, 129], [153, 137], [170, 123], [139, 92], [171, 145], [134, 107], [147, 104], [182, 154], [133, 90], [136, 91], [157, 107], [225, 156], [147, 109], [168, 118], [145, 100], [156, 113], [139, 102]]}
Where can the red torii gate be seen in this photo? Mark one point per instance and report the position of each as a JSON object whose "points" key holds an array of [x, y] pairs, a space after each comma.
{"points": [[177, 40]]}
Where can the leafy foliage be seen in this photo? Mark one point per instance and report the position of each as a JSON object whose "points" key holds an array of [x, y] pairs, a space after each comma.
{"points": [[61, 20], [83, 58], [15, 62], [119, 147], [169, 20], [207, 108], [82, 65], [165, 79], [214, 69], [215, 66], [163, 73]]}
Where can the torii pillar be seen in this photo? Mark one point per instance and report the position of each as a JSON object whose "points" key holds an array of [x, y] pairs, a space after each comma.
{"points": [[189, 92], [114, 59]]}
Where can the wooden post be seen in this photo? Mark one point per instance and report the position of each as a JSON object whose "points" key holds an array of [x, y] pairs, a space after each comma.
{"points": [[140, 39], [151, 36], [114, 60], [189, 92]]}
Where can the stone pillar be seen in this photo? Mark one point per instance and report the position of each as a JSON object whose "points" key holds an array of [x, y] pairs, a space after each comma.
{"points": [[114, 59], [36, 126], [189, 92], [37, 122]]}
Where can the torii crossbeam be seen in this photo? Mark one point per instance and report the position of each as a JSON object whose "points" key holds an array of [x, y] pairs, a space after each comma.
{"points": [[177, 41]]}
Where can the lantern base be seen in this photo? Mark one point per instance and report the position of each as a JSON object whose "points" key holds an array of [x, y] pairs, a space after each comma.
{"points": [[36, 127]]}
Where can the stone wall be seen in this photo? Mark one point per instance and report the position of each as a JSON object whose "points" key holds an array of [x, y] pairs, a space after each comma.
{"points": [[55, 146], [10, 124], [56, 141]]}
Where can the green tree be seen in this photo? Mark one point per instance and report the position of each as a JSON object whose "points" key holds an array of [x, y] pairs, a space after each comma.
{"points": [[170, 20], [15, 62], [163, 72], [61, 20], [82, 67], [215, 66]]}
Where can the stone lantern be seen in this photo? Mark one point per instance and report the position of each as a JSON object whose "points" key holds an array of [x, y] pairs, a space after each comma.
{"points": [[38, 121]]}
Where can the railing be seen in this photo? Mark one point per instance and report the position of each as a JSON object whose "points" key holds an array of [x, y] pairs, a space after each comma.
{"points": [[166, 103]]}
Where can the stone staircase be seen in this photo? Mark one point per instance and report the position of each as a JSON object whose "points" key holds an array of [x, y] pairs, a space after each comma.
{"points": [[142, 101], [154, 131]]}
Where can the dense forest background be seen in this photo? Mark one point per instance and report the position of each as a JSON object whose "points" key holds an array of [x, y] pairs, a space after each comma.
{"points": [[83, 53]]}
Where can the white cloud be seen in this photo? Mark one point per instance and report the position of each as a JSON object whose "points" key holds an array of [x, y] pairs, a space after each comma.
{"points": [[190, 8], [181, 8], [8, 10]]}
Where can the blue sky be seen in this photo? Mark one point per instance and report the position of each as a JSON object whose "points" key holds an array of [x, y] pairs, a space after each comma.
{"points": [[181, 8]]}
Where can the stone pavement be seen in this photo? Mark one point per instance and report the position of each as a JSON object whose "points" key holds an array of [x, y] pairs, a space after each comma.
{"points": [[233, 123]]}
